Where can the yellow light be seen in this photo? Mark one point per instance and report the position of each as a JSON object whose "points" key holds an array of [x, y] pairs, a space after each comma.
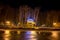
{"points": [[6, 35], [18, 32], [33, 39], [33, 32], [7, 22], [19, 23], [33, 22], [6, 38], [54, 23], [54, 34], [36, 27], [7, 31]]}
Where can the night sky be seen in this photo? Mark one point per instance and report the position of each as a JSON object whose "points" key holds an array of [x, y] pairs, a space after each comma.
{"points": [[43, 4]]}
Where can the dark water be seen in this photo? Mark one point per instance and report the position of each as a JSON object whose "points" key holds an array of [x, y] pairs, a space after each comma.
{"points": [[29, 35]]}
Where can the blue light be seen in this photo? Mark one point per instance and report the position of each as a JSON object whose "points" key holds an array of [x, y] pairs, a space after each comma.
{"points": [[28, 32], [30, 19]]}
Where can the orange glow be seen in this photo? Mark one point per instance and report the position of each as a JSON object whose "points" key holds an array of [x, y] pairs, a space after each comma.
{"points": [[54, 23], [7, 35], [7, 32], [55, 34], [8, 22], [18, 32]]}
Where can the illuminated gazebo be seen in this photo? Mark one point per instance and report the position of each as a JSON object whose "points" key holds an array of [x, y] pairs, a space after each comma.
{"points": [[28, 15], [30, 22]]}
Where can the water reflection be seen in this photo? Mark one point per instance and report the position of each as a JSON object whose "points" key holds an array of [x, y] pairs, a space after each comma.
{"points": [[18, 32], [54, 35], [29, 35], [6, 35], [44, 36], [31, 32]]}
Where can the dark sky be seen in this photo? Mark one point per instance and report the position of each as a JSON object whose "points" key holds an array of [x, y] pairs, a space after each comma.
{"points": [[44, 4]]}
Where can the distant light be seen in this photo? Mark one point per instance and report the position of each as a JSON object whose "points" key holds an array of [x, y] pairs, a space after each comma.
{"points": [[19, 23], [36, 27], [43, 25], [28, 32], [54, 34], [31, 32], [54, 23], [8, 22], [30, 20], [18, 32], [7, 32]]}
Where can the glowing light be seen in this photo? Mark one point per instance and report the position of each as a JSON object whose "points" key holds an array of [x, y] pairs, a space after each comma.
{"points": [[54, 23], [7, 32], [7, 35], [32, 39], [18, 32], [30, 35], [30, 20], [55, 34], [36, 27], [31, 32], [28, 32], [19, 23], [7, 22], [7, 38], [43, 25]]}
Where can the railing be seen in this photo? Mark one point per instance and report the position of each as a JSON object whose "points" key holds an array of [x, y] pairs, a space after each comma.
{"points": [[2, 28]]}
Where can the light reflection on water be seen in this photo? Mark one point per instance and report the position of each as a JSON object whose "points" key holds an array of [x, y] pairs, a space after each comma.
{"points": [[18, 32], [29, 35], [6, 35], [54, 35]]}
